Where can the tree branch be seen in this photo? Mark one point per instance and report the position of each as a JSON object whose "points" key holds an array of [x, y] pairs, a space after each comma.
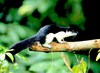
{"points": [[69, 46]]}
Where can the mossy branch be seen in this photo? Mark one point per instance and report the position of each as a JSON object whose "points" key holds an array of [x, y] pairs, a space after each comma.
{"points": [[69, 46]]}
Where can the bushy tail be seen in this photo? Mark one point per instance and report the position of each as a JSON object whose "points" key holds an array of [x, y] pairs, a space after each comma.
{"points": [[16, 48], [22, 45]]}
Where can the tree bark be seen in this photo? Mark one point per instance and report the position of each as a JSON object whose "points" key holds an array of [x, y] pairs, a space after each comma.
{"points": [[69, 46]]}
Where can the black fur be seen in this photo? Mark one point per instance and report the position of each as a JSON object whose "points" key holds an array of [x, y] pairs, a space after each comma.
{"points": [[40, 37]]}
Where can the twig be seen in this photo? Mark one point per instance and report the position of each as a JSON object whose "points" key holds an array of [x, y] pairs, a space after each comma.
{"points": [[65, 61]]}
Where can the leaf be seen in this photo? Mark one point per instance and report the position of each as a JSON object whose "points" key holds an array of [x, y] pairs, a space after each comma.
{"points": [[99, 50], [15, 66], [5, 64], [25, 9], [18, 30], [3, 28], [13, 36], [10, 56], [80, 68], [28, 7], [98, 57], [84, 66], [2, 49], [22, 57], [44, 6], [75, 69], [2, 57]]}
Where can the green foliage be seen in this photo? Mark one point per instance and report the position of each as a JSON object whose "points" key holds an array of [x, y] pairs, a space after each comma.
{"points": [[22, 57], [1, 1], [13, 15], [98, 56], [2, 28], [3, 53], [31, 5], [2, 49], [13, 32], [5, 65], [10, 56], [77, 15], [53, 63], [80, 68]]}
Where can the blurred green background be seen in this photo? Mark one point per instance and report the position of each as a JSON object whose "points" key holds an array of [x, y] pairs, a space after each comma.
{"points": [[21, 19]]}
